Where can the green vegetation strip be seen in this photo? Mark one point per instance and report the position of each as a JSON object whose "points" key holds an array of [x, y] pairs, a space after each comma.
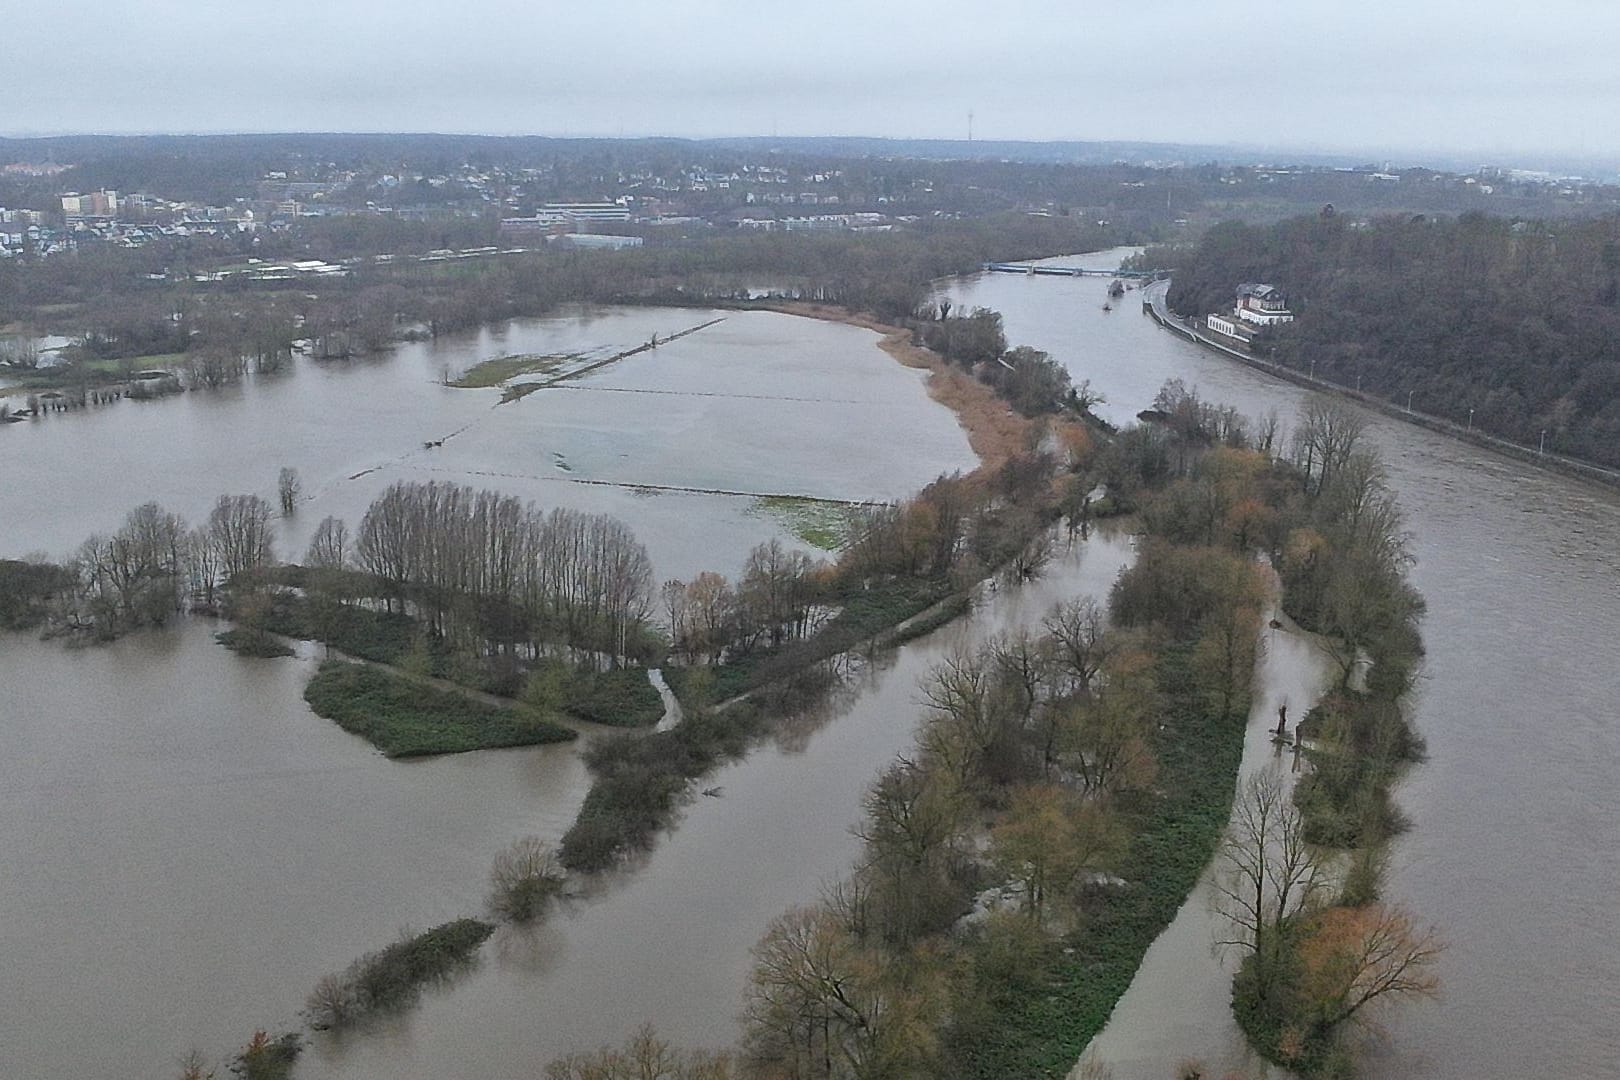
{"points": [[391, 978], [404, 718], [253, 643], [1042, 1026], [496, 371]]}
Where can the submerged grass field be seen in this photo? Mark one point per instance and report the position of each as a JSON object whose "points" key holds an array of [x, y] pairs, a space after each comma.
{"points": [[502, 368], [405, 718], [823, 525]]}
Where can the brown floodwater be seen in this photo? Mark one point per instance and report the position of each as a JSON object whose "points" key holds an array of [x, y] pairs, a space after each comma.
{"points": [[184, 847], [668, 941], [1515, 849]]}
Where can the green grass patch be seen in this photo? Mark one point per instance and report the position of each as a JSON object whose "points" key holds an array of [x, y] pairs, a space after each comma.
{"points": [[244, 642], [623, 697], [501, 369], [404, 718], [823, 525]]}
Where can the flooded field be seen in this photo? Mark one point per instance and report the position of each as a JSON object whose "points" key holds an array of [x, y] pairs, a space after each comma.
{"points": [[757, 404], [185, 848]]}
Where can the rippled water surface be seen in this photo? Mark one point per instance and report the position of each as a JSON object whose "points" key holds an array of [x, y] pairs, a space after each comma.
{"points": [[185, 848], [758, 403], [1515, 852]]}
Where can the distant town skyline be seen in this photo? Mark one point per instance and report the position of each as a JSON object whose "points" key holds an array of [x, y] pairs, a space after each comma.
{"points": [[1494, 80]]}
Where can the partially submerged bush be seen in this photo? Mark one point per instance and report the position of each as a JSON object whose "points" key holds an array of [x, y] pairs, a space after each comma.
{"points": [[524, 880], [264, 1058], [392, 977]]}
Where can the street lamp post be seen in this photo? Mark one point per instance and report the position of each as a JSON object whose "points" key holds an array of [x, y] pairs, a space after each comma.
{"points": [[1543, 448], [1470, 419], [1313, 369], [1409, 394]]}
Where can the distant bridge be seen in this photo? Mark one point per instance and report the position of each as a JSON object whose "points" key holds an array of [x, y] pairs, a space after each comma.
{"points": [[1068, 271]]}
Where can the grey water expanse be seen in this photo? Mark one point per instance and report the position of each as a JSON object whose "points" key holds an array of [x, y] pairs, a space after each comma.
{"points": [[185, 848], [759, 402], [1515, 850]]}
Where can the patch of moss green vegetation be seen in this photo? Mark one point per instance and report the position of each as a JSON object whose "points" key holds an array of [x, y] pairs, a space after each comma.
{"points": [[404, 718], [822, 525], [1040, 1026], [621, 698], [640, 782], [502, 369], [245, 642]]}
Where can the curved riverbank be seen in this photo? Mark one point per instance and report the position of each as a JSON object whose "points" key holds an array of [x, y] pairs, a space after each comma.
{"points": [[1153, 304], [1519, 569]]}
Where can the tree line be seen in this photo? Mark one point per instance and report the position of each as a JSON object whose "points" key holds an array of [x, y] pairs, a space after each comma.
{"points": [[1508, 326], [1069, 784]]}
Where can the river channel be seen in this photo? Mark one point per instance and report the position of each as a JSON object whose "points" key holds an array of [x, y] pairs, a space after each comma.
{"points": [[184, 848], [1515, 850]]}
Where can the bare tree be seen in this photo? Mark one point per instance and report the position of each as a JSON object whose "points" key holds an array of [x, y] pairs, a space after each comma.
{"points": [[1079, 629], [1268, 873], [1328, 435], [1353, 958], [239, 531], [287, 490], [524, 879], [821, 1005], [329, 547]]}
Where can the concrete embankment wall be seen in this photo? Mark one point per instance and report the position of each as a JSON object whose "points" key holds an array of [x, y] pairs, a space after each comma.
{"points": [[1528, 454]]}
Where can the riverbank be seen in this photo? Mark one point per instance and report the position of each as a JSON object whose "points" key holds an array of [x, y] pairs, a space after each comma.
{"points": [[1153, 305]]}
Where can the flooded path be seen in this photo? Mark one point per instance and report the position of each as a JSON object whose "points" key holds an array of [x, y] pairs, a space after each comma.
{"points": [[1165, 1017]]}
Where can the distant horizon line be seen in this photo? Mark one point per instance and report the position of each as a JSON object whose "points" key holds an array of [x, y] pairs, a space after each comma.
{"points": [[1412, 157]]}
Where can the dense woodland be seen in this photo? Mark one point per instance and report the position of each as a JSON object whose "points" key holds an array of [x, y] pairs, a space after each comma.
{"points": [[1512, 326]]}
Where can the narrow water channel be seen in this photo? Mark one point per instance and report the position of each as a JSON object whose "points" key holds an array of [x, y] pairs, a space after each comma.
{"points": [[1164, 1017], [669, 941]]}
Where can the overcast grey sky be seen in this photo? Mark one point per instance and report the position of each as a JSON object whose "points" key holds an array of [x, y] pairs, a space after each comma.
{"points": [[1489, 76]]}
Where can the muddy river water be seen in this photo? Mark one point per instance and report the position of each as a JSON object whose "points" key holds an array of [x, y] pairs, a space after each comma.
{"points": [[1515, 850], [185, 849]]}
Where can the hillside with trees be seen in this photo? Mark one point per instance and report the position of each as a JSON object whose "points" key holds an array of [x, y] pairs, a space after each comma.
{"points": [[1512, 326]]}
